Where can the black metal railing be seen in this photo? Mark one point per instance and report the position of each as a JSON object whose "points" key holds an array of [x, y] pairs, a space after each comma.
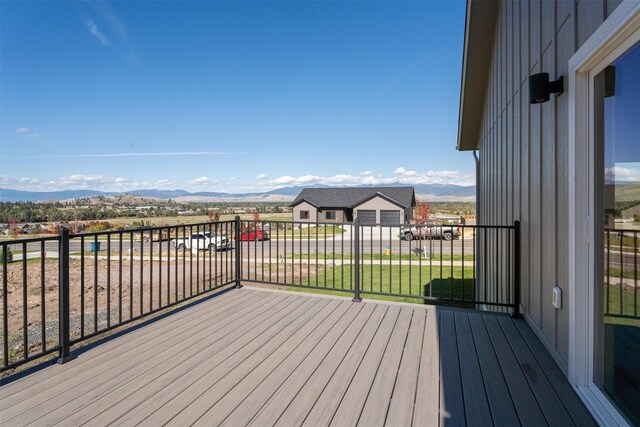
{"points": [[473, 266], [61, 290], [622, 250]]}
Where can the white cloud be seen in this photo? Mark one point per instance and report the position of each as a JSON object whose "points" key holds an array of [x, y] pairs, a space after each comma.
{"points": [[34, 135], [114, 22], [401, 176], [399, 171], [367, 173], [27, 180], [102, 183], [22, 130], [93, 29], [203, 180], [125, 184], [619, 173]]}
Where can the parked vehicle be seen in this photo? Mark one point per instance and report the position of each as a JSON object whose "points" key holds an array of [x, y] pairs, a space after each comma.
{"points": [[251, 235], [203, 241], [430, 231]]}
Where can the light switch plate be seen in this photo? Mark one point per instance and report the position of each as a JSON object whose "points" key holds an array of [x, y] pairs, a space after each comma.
{"points": [[557, 298]]}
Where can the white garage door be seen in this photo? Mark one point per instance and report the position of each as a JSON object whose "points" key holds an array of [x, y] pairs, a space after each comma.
{"points": [[390, 217], [367, 217]]}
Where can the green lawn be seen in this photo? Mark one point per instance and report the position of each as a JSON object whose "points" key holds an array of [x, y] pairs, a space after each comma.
{"points": [[437, 282], [311, 232], [624, 303], [617, 273], [376, 257]]}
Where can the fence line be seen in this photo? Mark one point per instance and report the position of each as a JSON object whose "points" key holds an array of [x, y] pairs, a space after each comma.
{"points": [[90, 283]]}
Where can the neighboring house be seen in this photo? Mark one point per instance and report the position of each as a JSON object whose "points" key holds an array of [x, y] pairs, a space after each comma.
{"points": [[544, 164], [371, 205]]}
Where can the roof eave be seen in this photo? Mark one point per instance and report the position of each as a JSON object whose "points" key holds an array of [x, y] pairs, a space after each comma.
{"points": [[383, 196], [480, 26], [297, 202]]}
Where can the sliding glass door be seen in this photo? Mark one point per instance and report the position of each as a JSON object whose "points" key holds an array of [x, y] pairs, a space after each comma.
{"points": [[617, 198]]}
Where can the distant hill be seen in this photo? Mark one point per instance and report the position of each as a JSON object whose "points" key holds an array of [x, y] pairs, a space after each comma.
{"points": [[431, 192], [629, 192]]}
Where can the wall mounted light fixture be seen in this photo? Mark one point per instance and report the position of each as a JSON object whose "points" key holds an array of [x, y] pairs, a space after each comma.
{"points": [[540, 88]]}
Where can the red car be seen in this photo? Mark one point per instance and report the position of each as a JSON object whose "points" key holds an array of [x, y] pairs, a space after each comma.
{"points": [[251, 235]]}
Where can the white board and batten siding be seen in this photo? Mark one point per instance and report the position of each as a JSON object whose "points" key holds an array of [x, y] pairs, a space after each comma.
{"points": [[524, 148]]}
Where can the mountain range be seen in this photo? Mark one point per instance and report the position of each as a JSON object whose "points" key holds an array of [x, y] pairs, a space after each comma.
{"points": [[430, 192]]}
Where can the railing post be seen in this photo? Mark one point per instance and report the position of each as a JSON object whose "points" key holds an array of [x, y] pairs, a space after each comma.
{"points": [[516, 269], [238, 253], [356, 261], [63, 299]]}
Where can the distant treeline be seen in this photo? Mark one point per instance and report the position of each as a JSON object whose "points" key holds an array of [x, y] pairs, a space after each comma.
{"points": [[33, 212]]}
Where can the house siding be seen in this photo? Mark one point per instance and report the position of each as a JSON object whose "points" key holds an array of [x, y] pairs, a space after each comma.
{"points": [[524, 149], [304, 206], [340, 215]]}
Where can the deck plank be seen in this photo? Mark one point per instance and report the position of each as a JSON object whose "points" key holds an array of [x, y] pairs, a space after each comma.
{"points": [[475, 395], [198, 354], [404, 394], [328, 402], [452, 411], [277, 367], [266, 402], [502, 409], [16, 391], [80, 384], [359, 391], [109, 391], [548, 400], [169, 393], [340, 363], [261, 358], [196, 400], [576, 409], [522, 397], [377, 404], [426, 411]]}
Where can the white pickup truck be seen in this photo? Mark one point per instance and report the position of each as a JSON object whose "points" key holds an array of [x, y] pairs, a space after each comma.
{"points": [[203, 241], [430, 231]]}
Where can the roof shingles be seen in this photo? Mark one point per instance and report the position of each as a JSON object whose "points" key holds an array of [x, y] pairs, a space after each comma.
{"points": [[350, 197]]}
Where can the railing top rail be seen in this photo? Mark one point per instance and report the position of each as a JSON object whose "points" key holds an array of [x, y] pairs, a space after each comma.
{"points": [[29, 240], [622, 230]]}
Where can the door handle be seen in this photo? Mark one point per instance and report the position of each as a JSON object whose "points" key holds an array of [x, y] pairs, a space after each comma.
{"points": [[585, 226]]}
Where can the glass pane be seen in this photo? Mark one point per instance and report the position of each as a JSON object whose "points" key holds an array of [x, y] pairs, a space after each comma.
{"points": [[617, 109]]}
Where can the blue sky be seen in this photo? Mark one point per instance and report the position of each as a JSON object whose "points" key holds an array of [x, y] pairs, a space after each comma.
{"points": [[229, 96]]}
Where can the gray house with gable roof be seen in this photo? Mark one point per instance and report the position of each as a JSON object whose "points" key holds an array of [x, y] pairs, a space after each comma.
{"points": [[371, 205]]}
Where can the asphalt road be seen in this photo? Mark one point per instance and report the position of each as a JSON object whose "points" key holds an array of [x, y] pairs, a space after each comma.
{"points": [[281, 246]]}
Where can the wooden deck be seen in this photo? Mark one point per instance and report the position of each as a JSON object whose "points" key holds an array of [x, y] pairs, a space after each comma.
{"points": [[257, 357]]}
